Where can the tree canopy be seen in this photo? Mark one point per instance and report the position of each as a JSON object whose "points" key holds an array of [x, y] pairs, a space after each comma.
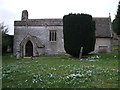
{"points": [[79, 31], [7, 40], [116, 21]]}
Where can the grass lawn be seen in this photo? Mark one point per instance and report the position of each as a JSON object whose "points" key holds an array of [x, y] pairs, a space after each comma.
{"points": [[61, 71]]}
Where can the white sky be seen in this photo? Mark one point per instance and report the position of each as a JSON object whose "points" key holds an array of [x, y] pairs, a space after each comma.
{"points": [[10, 10]]}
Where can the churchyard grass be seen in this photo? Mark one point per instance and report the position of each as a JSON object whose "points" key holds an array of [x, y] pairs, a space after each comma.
{"points": [[61, 71]]}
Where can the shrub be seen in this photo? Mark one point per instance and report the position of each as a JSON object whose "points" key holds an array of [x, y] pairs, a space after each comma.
{"points": [[79, 31]]}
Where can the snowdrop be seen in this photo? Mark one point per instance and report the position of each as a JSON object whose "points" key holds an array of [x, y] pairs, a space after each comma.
{"points": [[113, 69], [51, 75], [97, 57], [75, 75], [91, 60], [78, 75], [34, 81], [80, 59], [93, 66], [26, 80], [36, 61], [8, 72], [40, 80], [93, 57], [53, 68], [89, 71], [115, 56], [72, 75], [90, 75], [118, 70]]}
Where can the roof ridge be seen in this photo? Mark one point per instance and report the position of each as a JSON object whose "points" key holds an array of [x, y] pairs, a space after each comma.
{"points": [[101, 17]]}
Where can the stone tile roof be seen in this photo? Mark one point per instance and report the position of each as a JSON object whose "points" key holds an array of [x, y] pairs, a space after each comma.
{"points": [[35, 39], [39, 22], [38, 42], [103, 27], [102, 24]]}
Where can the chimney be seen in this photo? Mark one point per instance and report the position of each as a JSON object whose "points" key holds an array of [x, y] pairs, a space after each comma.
{"points": [[110, 15], [24, 15]]}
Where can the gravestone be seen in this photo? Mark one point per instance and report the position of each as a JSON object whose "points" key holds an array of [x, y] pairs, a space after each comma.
{"points": [[18, 55]]}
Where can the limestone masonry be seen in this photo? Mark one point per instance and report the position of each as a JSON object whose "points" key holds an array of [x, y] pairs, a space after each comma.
{"points": [[34, 37]]}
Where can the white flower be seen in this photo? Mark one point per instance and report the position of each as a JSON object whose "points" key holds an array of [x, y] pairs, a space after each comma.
{"points": [[93, 65], [26, 80], [41, 80], [72, 75], [91, 60], [75, 75], [90, 74], [80, 59], [92, 57], [118, 70], [8, 72], [97, 57], [115, 56], [110, 78], [78, 75], [89, 71], [67, 76], [36, 61], [34, 81], [51, 75]]}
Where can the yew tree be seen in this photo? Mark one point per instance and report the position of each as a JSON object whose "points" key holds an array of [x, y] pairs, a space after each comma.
{"points": [[78, 31]]}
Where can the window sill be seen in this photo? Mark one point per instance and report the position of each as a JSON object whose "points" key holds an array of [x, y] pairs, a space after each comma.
{"points": [[52, 41]]}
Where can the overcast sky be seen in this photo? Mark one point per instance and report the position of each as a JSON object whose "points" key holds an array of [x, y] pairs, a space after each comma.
{"points": [[10, 10]]}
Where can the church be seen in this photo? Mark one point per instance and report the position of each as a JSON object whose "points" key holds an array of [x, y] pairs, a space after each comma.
{"points": [[35, 37]]}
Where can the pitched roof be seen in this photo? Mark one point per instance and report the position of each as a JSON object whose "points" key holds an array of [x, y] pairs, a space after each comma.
{"points": [[103, 28], [34, 39], [39, 22], [38, 42]]}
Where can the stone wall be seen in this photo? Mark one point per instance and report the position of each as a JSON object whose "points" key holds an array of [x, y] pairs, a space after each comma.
{"points": [[41, 32], [39, 28], [103, 42]]}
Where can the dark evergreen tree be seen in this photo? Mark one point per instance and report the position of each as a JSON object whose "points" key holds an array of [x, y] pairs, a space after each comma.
{"points": [[114, 26], [116, 21], [7, 40], [79, 31]]}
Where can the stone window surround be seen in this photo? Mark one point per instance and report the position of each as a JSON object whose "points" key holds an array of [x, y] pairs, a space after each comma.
{"points": [[35, 45], [103, 48], [54, 37], [24, 46]]}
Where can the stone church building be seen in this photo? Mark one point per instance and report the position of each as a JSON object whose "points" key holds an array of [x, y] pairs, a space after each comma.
{"points": [[34, 37]]}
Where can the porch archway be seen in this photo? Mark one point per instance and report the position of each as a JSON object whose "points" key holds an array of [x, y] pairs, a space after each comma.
{"points": [[29, 49]]}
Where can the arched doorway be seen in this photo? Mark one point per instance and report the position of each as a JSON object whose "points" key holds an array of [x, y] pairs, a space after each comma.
{"points": [[29, 49]]}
